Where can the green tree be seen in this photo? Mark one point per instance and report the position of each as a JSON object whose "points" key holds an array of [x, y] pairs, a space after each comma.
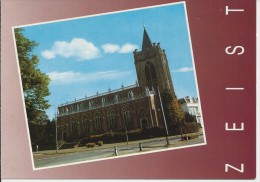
{"points": [[35, 83], [174, 114], [173, 110], [190, 118]]}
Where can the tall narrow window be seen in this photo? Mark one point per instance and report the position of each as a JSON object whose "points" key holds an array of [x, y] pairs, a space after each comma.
{"points": [[62, 111], [116, 99], [150, 75], [74, 127], [130, 95], [91, 104], [98, 122], [81, 107], [143, 118], [71, 108], [86, 124], [112, 120], [127, 117], [103, 102]]}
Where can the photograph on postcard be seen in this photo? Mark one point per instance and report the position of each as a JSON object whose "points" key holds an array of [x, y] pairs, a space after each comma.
{"points": [[109, 85]]}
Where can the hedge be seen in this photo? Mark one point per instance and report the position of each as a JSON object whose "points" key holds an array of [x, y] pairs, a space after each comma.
{"points": [[116, 137], [186, 128]]}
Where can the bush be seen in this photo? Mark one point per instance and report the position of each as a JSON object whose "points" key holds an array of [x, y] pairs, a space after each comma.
{"points": [[189, 137], [100, 143], [120, 136], [134, 135], [192, 136], [186, 128], [153, 132], [90, 145], [190, 118], [191, 127]]}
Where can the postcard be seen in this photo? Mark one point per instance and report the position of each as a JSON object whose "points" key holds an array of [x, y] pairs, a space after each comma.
{"points": [[129, 90]]}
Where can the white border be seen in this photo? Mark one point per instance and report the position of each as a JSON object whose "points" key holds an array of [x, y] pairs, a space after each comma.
{"points": [[134, 9], [22, 95]]}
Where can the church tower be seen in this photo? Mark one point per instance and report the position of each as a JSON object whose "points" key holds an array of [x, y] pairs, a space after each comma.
{"points": [[152, 66]]}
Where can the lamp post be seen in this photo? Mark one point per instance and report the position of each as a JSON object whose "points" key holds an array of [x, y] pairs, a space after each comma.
{"points": [[165, 124], [56, 133], [126, 133]]}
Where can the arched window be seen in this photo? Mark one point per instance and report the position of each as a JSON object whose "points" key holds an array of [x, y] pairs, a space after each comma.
{"points": [[142, 113], [86, 124], [81, 107], [98, 122], [103, 102], [116, 99], [91, 104], [150, 75], [127, 117], [143, 118], [62, 111], [74, 126], [130, 95], [112, 120]]}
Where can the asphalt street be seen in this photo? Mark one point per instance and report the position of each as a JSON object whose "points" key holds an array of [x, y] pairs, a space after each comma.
{"points": [[122, 149]]}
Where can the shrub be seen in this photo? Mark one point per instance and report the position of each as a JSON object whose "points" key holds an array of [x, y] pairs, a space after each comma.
{"points": [[119, 137], [186, 128], [100, 143], [190, 118], [192, 136], [189, 137], [76, 145], [153, 132], [90, 145], [185, 137], [134, 135], [157, 132], [191, 127]]}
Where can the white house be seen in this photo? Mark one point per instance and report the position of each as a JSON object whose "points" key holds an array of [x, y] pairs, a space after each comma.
{"points": [[192, 106]]}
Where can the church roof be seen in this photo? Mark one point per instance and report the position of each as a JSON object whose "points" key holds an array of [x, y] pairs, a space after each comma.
{"points": [[146, 41]]}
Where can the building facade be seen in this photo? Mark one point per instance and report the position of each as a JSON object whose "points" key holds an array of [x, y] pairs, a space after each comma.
{"points": [[127, 108], [191, 106]]}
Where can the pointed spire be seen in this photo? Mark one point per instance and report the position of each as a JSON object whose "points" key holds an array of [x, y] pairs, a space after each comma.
{"points": [[146, 40]]}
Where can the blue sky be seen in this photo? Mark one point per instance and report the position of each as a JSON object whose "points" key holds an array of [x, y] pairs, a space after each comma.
{"points": [[90, 54]]}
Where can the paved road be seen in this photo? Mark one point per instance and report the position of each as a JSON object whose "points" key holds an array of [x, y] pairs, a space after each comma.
{"points": [[72, 158], [122, 149]]}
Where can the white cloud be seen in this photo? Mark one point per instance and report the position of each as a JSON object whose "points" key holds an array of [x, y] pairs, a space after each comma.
{"points": [[128, 48], [48, 54], [78, 48], [184, 69], [114, 48], [110, 48], [74, 77]]}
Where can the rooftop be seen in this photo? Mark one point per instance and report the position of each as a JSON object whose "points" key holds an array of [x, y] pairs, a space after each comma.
{"points": [[99, 94]]}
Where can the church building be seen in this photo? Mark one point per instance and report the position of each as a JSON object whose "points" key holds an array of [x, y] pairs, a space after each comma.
{"points": [[127, 108]]}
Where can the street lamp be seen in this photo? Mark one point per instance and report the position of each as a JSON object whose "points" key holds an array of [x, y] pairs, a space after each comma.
{"points": [[56, 133], [56, 113], [126, 133], [165, 124]]}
